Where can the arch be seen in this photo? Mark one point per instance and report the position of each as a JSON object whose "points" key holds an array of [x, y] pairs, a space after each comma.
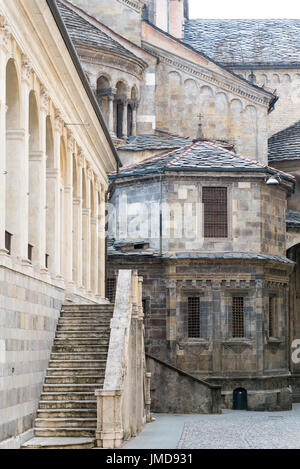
{"points": [[240, 399], [14, 163], [236, 106], [103, 83], [190, 86], [286, 79], [174, 79], [134, 92], [222, 102], [275, 79], [34, 124]]}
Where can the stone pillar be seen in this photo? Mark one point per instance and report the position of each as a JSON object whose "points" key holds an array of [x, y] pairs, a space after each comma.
{"points": [[3, 60], [53, 205], [94, 254], [101, 244], [134, 119], [86, 248], [68, 235], [125, 118], [77, 237], [110, 431], [37, 207], [111, 99]]}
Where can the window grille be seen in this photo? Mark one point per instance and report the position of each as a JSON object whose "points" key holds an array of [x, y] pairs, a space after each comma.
{"points": [[111, 285], [215, 201], [145, 307], [238, 329], [8, 238], [272, 304], [47, 261], [197, 319]]}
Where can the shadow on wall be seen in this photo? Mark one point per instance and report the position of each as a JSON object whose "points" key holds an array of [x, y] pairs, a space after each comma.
{"points": [[176, 392]]}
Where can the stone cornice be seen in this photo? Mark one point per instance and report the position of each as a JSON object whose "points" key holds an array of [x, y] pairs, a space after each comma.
{"points": [[133, 4], [214, 78]]}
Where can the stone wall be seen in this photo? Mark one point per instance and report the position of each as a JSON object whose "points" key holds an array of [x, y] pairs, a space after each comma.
{"points": [[29, 312], [286, 83], [173, 391], [127, 12]]}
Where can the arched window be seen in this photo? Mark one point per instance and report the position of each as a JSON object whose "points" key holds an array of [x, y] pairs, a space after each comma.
{"points": [[102, 95]]}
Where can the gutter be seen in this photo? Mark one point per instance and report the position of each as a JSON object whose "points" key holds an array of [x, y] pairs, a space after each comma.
{"points": [[74, 56]]}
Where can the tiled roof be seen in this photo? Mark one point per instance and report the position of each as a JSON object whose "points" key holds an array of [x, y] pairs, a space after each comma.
{"points": [[154, 142], [245, 42], [293, 219], [83, 32], [112, 252], [285, 145], [199, 156]]}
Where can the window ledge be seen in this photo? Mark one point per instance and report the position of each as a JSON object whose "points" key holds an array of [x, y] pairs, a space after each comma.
{"points": [[237, 341], [274, 340]]}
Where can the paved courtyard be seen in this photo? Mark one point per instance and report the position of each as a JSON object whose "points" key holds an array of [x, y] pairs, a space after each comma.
{"points": [[231, 430]]}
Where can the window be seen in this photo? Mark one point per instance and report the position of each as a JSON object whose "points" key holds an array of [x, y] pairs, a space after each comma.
{"points": [[111, 284], [47, 261], [197, 319], [238, 317], [215, 201], [8, 238], [30, 251], [272, 316]]}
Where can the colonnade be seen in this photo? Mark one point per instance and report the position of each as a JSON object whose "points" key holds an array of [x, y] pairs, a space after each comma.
{"points": [[52, 201]]}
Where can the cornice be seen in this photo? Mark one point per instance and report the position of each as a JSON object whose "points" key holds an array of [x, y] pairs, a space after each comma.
{"points": [[212, 77], [133, 4]]}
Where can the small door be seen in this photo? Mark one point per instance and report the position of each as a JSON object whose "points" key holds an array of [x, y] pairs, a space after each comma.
{"points": [[240, 399]]}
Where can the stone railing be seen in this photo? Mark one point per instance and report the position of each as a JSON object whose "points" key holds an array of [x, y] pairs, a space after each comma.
{"points": [[123, 406]]}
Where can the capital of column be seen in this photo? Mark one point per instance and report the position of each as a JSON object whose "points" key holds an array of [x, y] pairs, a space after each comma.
{"points": [[111, 93], [80, 158], [124, 100], [5, 34], [58, 121], [44, 99], [134, 103], [26, 68], [90, 173], [70, 141]]}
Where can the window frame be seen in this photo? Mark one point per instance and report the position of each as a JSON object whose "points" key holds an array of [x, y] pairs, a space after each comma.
{"points": [[212, 185]]}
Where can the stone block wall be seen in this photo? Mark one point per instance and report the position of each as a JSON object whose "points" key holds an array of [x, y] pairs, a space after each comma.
{"points": [[29, 310]]}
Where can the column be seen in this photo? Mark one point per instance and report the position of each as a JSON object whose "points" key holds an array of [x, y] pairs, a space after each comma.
{"points": [[53, 204], [68, 214], [111, 99], [125, 118], [77, 226], [3, 60], [134, 118], [86, 248], [94, 246], [101, 244]]}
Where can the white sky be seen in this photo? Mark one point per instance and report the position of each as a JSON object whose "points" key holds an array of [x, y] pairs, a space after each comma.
{"points": [[244, 9]]}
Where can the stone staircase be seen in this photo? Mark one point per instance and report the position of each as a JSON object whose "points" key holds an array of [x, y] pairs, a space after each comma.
{"points": [[67, 414]]}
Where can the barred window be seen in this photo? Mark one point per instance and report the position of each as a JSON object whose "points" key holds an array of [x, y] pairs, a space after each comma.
{"points": [[197, 319], [111, 285], [238, 326], [8, 238], [272, 316], [215, 204]]}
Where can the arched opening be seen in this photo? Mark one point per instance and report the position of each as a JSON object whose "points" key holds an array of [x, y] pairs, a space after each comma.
{"points": [[102, 95], [50, 198], [35, 182], [240, 399], [15, 200], [120, 110]]}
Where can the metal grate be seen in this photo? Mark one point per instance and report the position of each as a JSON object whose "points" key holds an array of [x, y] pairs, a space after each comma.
{"points": [[194, 317], [215, 201], [238, 317], [271, 316], [111, 285]]}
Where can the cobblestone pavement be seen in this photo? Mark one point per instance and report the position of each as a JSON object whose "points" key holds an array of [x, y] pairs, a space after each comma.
{"points": [[241, 430]]}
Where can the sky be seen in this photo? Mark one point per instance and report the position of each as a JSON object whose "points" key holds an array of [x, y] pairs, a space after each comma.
{"points": [[244, 9]]}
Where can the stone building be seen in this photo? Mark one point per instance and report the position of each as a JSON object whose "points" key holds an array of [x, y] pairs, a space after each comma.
{"points": [[55, 153], [207, 233], [232, 82]]}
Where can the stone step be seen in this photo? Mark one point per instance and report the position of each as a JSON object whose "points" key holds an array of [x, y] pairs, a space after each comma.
{"points": [[59, 443], [88, 308], [76, 371], [78, 356], [77, 363], [80, 341], [90, 423], [73, 379], [67, 413], [65, 432], [89, 334], [79, 348], [71, 387], [67, 396], [69, 404], [79, 320], [83, 327]]}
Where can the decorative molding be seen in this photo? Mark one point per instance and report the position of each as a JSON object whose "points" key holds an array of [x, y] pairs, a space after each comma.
{"points": [[58, 120], [237, 348], [5, 34], [27, 69], [70, 141], [212, 77], [44, 99], [133, 4]]}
